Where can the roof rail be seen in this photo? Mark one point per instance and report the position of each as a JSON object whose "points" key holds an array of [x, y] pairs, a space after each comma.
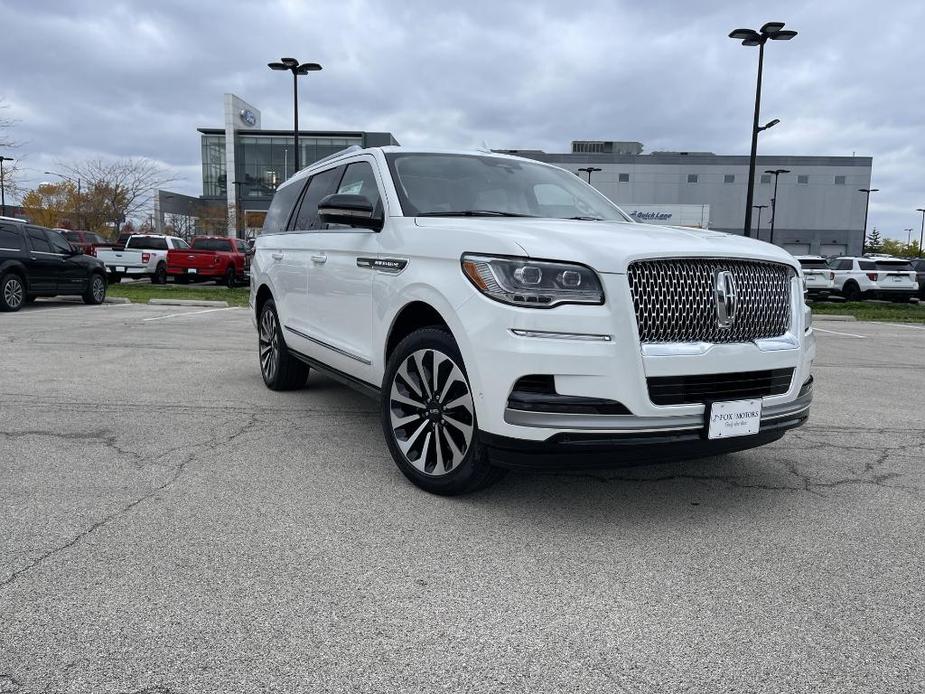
{"points": [[351, 148], [13, 219]]}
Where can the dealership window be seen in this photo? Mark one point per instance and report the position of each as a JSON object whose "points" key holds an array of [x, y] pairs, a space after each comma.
{"points": [[691, 178], [765, 178], [624, 178], [839, 180], [803, 179], [729, 178]]}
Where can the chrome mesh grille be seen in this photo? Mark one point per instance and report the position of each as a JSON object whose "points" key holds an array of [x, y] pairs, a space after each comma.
{"points": [[675, 302]]}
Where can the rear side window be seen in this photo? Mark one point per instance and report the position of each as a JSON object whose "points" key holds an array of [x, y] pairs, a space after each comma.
{"points": [[814, 264], [242, 246], [280, 210], [212, 244], [38, 240], [147, 243], [867, 265], [320, 186], [10, 238], [72, 236]]}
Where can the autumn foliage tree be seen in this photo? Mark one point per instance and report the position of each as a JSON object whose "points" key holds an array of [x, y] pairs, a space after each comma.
{"points": [[52, 204]]}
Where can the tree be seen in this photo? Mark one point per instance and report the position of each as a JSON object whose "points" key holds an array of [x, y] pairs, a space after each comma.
{"points": [[10, 186], [51, 204], [873, 244], [116, 191], [900, 249]]}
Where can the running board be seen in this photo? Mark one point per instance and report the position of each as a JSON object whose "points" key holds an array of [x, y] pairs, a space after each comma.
{"points": [[363, 387]]}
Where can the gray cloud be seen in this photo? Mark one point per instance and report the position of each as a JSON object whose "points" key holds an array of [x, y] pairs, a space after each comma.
{"points": [[132, 78]]}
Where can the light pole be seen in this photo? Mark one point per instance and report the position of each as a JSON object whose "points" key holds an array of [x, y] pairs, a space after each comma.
{"points": [[590, 170], [296, 69], [777, 173], [237, 205], [758, 229], [867, 192], [775, 32], [922, 232], [908, 236], [79, 198], [3, 186]]}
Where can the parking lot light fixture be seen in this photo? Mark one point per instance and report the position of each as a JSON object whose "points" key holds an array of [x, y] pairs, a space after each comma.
{"points": [[922, 232], [770, 124], [297, 69], [776, 173], [758, 228], [590, 170], [867, 192], [771, 31], [3, 186]]}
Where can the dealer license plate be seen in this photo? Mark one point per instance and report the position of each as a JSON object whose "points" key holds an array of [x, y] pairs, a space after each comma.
{"points": [[734, 418], [192, 270], [120, 268]]}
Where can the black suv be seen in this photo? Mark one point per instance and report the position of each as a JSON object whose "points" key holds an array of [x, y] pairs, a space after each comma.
{"points": [[35, 261]]}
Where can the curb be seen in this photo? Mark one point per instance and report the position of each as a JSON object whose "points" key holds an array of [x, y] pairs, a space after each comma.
{"points": [[79, 300], [188, 302], [833, 317]]}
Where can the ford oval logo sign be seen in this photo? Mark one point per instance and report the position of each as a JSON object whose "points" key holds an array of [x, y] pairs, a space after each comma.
{"points": [[248, 117]]}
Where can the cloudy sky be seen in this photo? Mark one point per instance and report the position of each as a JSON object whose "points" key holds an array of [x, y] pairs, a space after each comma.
{"points": [[87, 78]]}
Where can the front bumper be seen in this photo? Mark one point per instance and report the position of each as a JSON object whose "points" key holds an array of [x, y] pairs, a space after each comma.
{"points": [[594, 352]]}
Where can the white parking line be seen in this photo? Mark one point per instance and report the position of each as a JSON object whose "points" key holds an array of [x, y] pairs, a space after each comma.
{"points": [[190, 313], [906, 325], [835, 332]]}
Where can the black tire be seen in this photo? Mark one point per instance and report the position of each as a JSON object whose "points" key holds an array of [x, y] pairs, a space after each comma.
{"points": [[230, 277], [96, 290], [852, 291], [114, 278], [160, 274], [280, 370], [441, 430], [12, 292]]}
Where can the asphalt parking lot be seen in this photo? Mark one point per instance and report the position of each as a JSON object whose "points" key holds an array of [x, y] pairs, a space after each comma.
{"points": [[171, 526]]}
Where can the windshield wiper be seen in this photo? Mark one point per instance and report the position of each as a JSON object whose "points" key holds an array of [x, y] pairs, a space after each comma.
{"points": [[587, 219], [473, 213]]}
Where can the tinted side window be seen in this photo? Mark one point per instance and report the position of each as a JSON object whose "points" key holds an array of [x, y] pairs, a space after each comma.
{"points": [[320, 186], [58, 243], [38, 240], [73, 236], [280, 210], [212, 244], [359, 180], [843, 265], [867, 265], [10, 238]]}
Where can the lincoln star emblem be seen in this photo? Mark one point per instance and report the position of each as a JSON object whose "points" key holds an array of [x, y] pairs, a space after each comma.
{"points": [[727, 298]]}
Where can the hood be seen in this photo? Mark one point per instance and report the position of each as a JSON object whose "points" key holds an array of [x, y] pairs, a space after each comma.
{"points": [[610, 246]]}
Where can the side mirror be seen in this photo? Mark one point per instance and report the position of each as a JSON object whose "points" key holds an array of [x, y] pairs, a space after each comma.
{"points": [[349, 209]]}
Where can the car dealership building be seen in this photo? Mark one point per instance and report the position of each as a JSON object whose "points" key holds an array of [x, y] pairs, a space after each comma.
{"points": [[819, 207]]}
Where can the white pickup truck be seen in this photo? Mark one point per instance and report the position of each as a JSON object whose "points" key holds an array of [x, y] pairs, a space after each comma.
{"points": [[142, 255]]}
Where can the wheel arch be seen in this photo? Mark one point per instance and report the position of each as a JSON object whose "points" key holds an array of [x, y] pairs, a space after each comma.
{"points": [[414, 315], [264, 294], [18, 268]]}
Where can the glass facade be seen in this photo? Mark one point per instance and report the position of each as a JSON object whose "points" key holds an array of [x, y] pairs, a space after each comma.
{"points": [[262, 162]]}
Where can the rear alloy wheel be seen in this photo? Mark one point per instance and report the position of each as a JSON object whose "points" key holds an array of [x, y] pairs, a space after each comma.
{"points": [[852, 291], [280, 370], [96, 291], [160, 274], [428, 416], [12, 292]]}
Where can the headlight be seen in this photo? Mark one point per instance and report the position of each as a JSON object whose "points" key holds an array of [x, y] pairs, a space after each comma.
{"points": [[533, 283]]}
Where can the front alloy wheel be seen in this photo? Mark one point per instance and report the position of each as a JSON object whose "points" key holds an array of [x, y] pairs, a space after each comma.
{"points": [[280, 370], [428, 416], [431, 412]]}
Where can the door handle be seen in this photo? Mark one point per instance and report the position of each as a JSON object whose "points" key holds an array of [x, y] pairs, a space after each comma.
{"points": [[320, 259], [277, 256]]}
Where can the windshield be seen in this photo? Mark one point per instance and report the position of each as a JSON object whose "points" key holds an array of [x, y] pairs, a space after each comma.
{"points": [[894, 265], [449, 185], [814, 263]]}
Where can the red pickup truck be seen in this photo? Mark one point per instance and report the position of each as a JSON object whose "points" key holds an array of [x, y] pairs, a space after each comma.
{"points": [[86, 241], [218, 258]]}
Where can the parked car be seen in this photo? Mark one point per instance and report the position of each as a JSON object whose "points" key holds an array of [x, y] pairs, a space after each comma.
{"points": [[874, 278], [35, 261], [505, 313], [144, 255], [86, 241], [918, 264], [217, 258], [818, 277]]}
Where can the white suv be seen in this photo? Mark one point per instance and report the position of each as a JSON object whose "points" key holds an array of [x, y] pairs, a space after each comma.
{"points": [[507, 314], [879, 277], [818, 277]]}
